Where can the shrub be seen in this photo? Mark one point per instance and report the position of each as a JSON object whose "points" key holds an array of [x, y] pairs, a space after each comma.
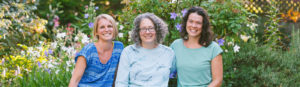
{"points": [[263, 66], [19, 24]]}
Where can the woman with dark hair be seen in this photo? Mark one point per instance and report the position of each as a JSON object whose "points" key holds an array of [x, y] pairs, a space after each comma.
{"points": [[198, 58], [147, 63]]}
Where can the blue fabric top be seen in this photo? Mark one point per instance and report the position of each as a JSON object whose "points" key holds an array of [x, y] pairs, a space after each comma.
{"points": [[97, 74], [140, 67]]}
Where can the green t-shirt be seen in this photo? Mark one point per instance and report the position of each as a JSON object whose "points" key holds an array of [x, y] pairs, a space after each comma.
{"points": [[194, 65]]}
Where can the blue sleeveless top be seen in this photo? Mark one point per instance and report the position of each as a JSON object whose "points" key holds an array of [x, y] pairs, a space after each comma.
{"points": [[97, 74]]}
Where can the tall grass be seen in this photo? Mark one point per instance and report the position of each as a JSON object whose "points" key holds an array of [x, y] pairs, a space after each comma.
{"points": [[41, 77]]}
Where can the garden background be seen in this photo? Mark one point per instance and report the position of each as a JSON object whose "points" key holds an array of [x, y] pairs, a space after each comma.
{"points": [[39, 38]]}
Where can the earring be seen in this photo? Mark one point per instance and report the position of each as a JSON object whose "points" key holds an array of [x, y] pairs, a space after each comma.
{"points": [[185, 37]]}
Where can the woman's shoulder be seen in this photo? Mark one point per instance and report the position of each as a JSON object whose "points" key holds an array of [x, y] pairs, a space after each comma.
{"points": [[88, 46], [118, 43], [130, 47], [177, 41], [213, 44], [166, 48]]}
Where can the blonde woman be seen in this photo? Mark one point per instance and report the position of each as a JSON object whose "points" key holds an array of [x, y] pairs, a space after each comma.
{"points": [[97, 62]]}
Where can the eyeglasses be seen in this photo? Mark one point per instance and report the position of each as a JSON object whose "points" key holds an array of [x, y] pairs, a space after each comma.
{"points": [[147, 29]]}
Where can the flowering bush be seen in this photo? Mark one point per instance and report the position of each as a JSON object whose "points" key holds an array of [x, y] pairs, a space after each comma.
{"points": [[260, 65], [19, 24], [231, 26]]}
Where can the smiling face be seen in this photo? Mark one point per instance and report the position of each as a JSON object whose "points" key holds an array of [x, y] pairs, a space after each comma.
{"points": [[194, 25], [147, 31], [104, 30]]}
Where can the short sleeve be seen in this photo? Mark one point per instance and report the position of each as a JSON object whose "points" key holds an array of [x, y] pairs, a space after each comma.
{"points": [[216, 50], [174, 43], [83, 52]]}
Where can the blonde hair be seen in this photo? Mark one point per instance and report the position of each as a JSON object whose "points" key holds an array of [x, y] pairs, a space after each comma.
{"points": [[109, 18]]}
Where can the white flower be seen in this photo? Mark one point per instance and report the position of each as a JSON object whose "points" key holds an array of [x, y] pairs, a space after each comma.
{"points": [[53, 45], [22, 52], [120, 35], [41, 42], [245, 38], [30, 51], [70, 50], [40, 48], [129, 33], [69, 63], [3, 61], [50, 65], [253, 25], [230, 43], [236, 48], [4, 72], [57, 71], [121, 27], [60, 35], [226, 50], [85, 39], [173, 1], [76, 38], [64, 48], [19, 70]]}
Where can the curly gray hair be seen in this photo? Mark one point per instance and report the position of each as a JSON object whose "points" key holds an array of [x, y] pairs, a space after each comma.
{"points": [[161, 28]]}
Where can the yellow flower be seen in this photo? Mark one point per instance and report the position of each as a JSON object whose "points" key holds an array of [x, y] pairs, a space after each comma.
{"points": [[42, 60], [23, 46], [0, 36], [245, 38], [1, 14]]}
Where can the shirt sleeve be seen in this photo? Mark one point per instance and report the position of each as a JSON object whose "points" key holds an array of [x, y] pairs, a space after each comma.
{"points": [[123, 70], [216, 50], [83, 53]]}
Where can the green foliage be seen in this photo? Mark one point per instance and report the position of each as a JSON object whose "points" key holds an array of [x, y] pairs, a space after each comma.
{"points": [[261, 66], [85, 23], [19, 24], [60, 76], [227, 23], [272, 36], [229, 19]]}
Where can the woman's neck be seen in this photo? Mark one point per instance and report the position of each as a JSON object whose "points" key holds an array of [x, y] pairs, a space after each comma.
{"points": [[104, 45], [192, 42], [149, 45]]}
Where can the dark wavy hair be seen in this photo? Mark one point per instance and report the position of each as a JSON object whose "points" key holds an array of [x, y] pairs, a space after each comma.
{"points": [[206, 34], [161, 28]]}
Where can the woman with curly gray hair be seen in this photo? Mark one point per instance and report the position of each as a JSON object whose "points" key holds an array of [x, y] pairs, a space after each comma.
{"points": [[147, 62]]}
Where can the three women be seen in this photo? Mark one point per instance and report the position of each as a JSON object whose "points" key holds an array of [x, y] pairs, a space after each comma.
{"points": [[148, 62]]}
